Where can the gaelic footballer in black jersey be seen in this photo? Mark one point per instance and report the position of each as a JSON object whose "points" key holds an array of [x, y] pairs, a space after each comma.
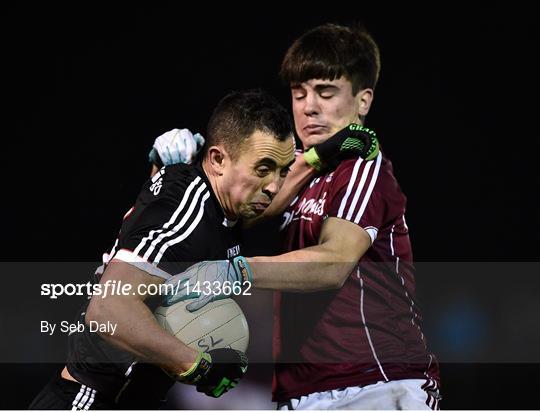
{"points": [[176, 221]]}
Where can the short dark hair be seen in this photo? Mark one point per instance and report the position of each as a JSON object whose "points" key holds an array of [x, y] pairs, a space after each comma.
{"points": [[330, 51], [240, 113]]}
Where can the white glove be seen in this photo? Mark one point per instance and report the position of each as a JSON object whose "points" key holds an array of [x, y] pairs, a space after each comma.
{"points": [[176, 146], [208, 281]]}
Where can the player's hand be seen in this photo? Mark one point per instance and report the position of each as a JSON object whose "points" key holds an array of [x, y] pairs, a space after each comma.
{"points": [[216, 371], [353, 140], [208, 281], [175, 146]]}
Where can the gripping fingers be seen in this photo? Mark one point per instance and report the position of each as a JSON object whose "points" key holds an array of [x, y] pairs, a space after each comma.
{"points": [[199, 140], [180, 291], [191, 149], [199, 302], [216, 391]]}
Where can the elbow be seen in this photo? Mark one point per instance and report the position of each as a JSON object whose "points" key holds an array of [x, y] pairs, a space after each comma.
{"points": [[333, 282], [344, 269], [93, 312], [96, 315], [340, 276]]}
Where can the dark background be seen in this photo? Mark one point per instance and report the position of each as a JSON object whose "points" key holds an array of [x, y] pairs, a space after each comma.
{"points": [[87, 88]]}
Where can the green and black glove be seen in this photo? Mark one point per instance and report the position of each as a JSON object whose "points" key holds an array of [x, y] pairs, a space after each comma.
{"points": [[216, 371], [353, 140]]}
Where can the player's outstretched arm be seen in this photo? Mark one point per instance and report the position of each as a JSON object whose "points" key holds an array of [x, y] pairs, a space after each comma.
{"points": [[137, 331], [322, 267]]}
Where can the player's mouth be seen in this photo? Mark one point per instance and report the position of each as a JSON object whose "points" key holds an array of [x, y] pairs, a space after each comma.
{"points": [[312, 129], [260, 206]]}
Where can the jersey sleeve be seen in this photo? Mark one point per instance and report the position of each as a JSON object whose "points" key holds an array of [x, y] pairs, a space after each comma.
{"points": [[356, 194], [168, 209]]}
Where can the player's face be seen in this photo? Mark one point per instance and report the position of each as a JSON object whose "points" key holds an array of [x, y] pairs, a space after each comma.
{"points": [[322, 108], [258, 174]]}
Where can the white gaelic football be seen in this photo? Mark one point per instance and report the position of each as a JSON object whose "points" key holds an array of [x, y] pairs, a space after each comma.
{"points": [[219, 324]]}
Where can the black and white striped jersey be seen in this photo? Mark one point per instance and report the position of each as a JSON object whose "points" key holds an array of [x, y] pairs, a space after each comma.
{"points": [[175, 222]]}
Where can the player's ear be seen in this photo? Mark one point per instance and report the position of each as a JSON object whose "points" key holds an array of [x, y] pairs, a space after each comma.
{"points": [[363, 99], [217, 157]]}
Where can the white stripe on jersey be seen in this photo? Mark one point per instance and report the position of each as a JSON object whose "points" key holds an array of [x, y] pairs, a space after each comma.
{"points": [[392, 241], [349, 188], [135, 260], [173, 217], [183, 221], [370, 189], [411, 306], [359, 189], [365, 324], [90, 399], [77, 399], [187, 232], [84, 399]]}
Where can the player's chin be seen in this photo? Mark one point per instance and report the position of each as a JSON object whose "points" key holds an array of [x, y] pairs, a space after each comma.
{"points": [[253, 210], [314, 139]]}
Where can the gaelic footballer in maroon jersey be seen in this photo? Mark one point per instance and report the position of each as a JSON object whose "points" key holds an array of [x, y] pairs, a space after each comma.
{"points": [[356, 343], [369, 329]]}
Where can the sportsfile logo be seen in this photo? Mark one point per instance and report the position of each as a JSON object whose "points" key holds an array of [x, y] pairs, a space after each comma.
{"points": [[108, 288]]}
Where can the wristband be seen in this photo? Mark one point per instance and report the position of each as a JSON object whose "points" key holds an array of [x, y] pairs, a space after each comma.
{"points": [[312, 158], [241, 264], [197, 371]]}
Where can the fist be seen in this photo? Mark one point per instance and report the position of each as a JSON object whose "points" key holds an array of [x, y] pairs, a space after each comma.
{"points": [[176, 146]]}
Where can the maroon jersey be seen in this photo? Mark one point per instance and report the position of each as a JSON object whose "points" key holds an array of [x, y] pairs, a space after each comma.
{"points": [[369, 329]]}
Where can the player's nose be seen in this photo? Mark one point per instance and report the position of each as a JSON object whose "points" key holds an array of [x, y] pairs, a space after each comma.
{"points": [[311, 105], [271, 189]]}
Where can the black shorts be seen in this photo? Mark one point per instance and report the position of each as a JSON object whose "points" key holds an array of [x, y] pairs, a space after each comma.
{"points": [[60, 393], [147, 390]]}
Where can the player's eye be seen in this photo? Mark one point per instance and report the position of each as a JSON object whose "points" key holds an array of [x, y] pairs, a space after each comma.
{"points": [[298, 95], [262, 171], [284, 172]]}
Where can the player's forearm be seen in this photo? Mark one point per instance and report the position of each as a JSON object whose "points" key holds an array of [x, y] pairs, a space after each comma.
{"points": [[138, 333], [307, 270]]}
